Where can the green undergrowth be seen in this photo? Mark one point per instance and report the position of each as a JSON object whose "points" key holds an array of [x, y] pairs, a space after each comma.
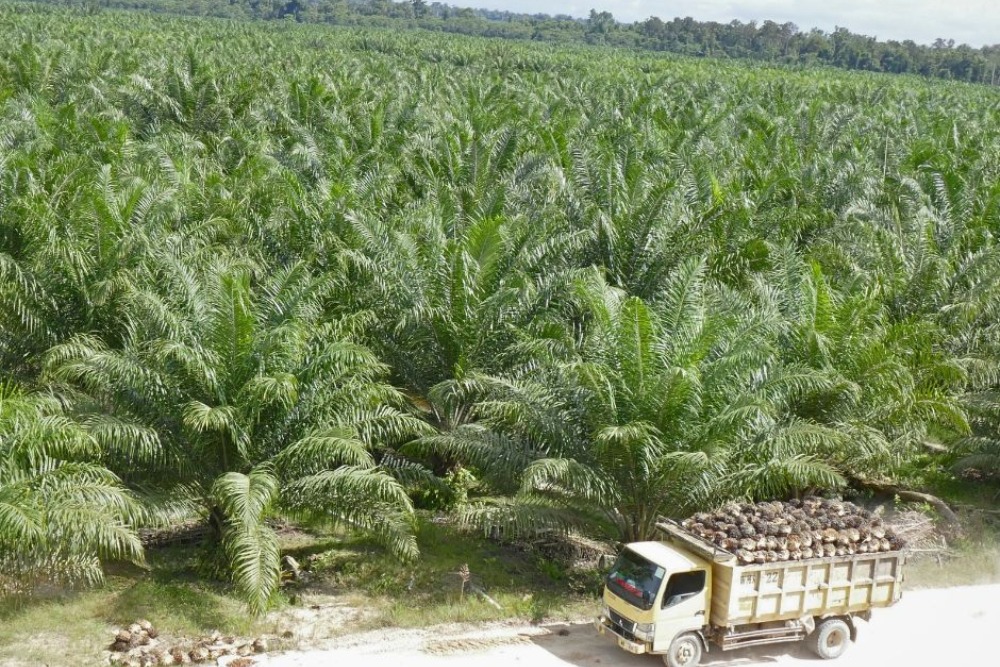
{"points": [[430, 590], [72, 628], [970, 559], [967, 564]]}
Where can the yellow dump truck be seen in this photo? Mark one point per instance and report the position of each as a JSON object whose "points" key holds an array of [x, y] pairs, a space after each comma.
{"points": [[679, 596]]}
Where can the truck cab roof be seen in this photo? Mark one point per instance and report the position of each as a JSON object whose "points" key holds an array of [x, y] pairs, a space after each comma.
{"points": [[671, 558]]}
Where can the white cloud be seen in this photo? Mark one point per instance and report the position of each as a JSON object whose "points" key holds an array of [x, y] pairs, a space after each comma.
{"points": [[975, 22]]}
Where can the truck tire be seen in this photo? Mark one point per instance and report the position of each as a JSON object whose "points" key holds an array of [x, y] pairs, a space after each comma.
{"points": [[684, 651], [830, 638]]}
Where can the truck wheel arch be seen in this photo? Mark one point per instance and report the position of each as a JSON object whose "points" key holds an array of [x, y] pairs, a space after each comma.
{"points": [[852, 624], [700, 634]]}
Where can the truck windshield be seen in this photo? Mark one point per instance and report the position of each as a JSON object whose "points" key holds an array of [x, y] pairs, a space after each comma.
{"points": [[635, 579]]}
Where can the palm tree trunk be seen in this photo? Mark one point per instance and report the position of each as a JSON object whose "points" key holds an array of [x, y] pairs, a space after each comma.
{"points": [[217, 523]]}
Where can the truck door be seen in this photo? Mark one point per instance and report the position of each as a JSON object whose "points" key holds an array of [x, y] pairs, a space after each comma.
{"points": [[683, 606]]}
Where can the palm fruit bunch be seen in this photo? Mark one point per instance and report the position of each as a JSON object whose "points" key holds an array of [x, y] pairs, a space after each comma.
{"points": [[798, 529], [137, 646]]}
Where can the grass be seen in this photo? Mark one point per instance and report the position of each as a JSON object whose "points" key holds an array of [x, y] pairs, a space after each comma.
{"points": [[974, 559], [430, 590], [73, 628], [971, 565]]}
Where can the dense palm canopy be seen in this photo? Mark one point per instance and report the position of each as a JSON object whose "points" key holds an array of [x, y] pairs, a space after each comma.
{"points": [[249, 270], [655, 411]]}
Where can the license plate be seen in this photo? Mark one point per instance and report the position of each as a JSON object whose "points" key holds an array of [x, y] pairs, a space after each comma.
{"points": [[631, 647]]}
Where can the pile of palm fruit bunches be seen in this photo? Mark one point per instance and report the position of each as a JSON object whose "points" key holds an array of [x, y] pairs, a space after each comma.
{"points": [[769, 532]]}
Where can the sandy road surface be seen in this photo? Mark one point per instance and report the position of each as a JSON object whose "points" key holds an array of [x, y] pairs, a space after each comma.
{"points": [[956, 626]]}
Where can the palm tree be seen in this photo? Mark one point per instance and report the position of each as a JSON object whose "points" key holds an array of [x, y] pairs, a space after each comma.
{"points": [[893, 387], [625, 193], [453, 294], [72, 238], [650, 413], [980, 451], [248, 398], [61, 511]]}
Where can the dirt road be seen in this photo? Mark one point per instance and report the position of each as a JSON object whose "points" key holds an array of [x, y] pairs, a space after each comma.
{"points": [[956, 626]]}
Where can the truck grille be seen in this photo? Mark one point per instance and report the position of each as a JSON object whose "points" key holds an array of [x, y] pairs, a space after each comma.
{"points": [[622, 626]]}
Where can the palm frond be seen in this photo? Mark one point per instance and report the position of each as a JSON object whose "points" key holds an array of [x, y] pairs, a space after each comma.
{"points": [[525, 517], [570, 478], [250, 545], [323, 450], [367, 499]]}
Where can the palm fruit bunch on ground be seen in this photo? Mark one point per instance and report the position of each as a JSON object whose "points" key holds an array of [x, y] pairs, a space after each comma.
{"points": [[138, 646], [769, 532]]}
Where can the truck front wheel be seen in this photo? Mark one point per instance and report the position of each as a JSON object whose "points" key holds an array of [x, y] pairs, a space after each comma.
{"points": [[829, 639], [684, 651]]}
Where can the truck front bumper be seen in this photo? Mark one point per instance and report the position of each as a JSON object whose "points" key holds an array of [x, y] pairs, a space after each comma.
{"points": [[604, 626]]}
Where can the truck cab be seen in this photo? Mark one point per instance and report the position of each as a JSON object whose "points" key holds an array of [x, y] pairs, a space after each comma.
{"points": [[654, 594]]}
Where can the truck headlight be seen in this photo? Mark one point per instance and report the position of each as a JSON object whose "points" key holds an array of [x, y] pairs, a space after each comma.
{"points": [[605, 611], [645, 631]]}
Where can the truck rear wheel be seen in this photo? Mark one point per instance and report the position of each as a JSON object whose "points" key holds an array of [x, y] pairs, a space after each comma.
{"points": [[830, 638], [684, 651]]}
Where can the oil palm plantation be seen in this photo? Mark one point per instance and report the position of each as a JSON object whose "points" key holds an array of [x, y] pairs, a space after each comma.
{"points": [[615, 286]]}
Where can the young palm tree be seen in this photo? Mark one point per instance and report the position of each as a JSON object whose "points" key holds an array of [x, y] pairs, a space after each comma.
{"points": [[892, 384]]}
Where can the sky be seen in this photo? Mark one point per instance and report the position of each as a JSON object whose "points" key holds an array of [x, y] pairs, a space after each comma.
{"points": [[973, 22]]}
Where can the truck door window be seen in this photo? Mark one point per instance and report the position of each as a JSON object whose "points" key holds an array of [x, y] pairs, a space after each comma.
{"points": [[683, 586]]}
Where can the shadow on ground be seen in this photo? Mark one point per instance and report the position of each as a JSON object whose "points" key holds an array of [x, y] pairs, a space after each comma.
{"points": [[580, 645]]}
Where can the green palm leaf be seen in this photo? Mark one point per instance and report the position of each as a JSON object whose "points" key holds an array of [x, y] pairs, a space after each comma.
{"points": [[250, 546]]}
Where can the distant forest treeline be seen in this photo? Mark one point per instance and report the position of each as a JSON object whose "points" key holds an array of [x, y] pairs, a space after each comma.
{"points": [[767, 41]]}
